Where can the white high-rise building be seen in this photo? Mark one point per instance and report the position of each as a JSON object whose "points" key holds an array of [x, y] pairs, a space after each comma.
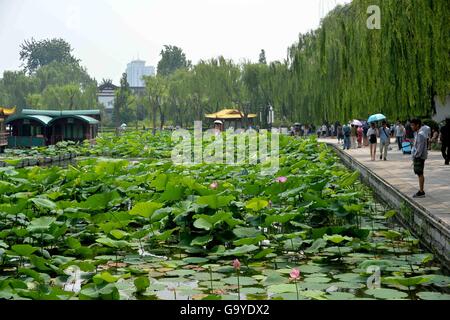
{"points": [[136, 70]]}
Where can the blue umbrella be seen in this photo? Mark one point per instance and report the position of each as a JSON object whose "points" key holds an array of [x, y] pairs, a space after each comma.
{"points": [[376, 117]]}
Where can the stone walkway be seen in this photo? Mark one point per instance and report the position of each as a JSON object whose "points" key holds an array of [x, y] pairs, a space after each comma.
{"points": [[398, 172]]}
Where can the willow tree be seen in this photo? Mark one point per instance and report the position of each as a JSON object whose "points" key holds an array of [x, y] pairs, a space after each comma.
{"points": [[346, 70]]}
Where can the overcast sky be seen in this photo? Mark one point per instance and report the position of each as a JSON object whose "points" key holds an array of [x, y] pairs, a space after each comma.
{"points": [[107, 34]]}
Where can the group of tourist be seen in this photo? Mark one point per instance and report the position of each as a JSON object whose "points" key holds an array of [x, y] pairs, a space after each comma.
{"points": [[412, 137]]}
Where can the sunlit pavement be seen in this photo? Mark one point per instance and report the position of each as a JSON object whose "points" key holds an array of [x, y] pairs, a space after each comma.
{"points": [[398, 172]]}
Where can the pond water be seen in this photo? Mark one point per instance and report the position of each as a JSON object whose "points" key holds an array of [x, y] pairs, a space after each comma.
{"points": [[333, 273], [118, 229]]}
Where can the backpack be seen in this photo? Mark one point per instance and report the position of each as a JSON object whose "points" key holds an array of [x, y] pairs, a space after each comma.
{"points": [[347, 131]]}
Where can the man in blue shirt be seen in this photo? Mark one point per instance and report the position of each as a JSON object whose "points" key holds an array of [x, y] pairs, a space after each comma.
{"points": [[420, 154], [347, 133]]}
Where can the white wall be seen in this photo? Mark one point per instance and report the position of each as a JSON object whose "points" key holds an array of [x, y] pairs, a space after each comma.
{"points": [[442, 109]]}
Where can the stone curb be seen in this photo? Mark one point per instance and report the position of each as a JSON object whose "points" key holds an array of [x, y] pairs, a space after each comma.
{"points": [[433, 233]]}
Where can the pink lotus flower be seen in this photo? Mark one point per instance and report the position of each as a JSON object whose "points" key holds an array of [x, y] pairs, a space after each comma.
{"points": [[270, 203], [295, 274], [214, 185], [281, 179], [236, 264]]}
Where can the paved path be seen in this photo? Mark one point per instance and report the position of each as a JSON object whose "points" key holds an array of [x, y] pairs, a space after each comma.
{"points": [[398, 172]]}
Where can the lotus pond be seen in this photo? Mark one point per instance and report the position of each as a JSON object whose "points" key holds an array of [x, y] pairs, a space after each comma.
{"points": [[118, 229]]}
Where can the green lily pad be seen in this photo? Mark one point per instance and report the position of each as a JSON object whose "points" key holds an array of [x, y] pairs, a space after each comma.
{"points": [[180, 273], [243, 281], [317, 279], [348, 285], [340, 296], [252, 290], [173, 280], [239, 251], [427, 295], [313, 286], [274, 277], [309, 268], [288, 296], [389, 294], [350, 277], [205, 276], [202, 240], [313, 294], [282, 288], [214, 284], [24, 250], [195, 260]]}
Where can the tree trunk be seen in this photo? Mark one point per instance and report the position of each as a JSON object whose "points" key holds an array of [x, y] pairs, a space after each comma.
{"points": [[161, 118], [154, 120]]}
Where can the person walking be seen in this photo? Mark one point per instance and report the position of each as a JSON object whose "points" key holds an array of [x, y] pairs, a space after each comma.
{"points": [[445, 139], [434, 137], [372, 133], [353, 136], [409, 133], [324, 130], [365, 137], [419, 154], [340, 134], [384, 140], [359, 133], [399, 133], [347, 133]]}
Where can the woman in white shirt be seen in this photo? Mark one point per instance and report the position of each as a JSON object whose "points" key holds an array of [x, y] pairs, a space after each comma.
{"points": [[372, 134]]}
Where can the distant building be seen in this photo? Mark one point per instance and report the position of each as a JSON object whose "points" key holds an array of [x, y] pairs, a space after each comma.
{"points": [[136, 70], [106, 96], [33, 128]]}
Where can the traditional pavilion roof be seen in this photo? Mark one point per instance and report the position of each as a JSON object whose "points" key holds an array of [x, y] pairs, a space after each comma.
{"points": [[58, 113], [7, 111], [229, 114], [47, 117], [107, 86], [86, 119], [44, 120]]}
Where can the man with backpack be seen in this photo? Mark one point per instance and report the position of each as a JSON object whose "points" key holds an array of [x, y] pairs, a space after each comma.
{"points": [[399, 134], [347, 133]]}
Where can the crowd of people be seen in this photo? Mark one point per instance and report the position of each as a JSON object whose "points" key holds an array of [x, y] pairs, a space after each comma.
{"points": [[411, 137]]}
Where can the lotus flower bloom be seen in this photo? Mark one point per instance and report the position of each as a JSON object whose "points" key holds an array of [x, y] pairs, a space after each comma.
{"points": [[281, 179], [214, 185], [295, 274], [236, 264], [237, 267]]}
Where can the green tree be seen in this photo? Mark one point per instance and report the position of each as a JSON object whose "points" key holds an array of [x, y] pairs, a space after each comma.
{"points": [[156, 93], [124, 103], [36, 54], [172, 58], [53, 83]]}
